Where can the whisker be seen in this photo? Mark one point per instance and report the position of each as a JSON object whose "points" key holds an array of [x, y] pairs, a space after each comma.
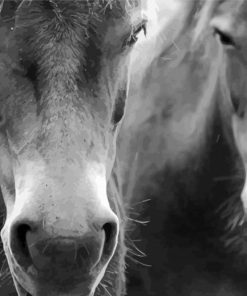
{"points": [[139, 221], [141, 254], [107, 282], [110, 272], [45, 247], [105, 288], [227, 203], [138, 262], [136, 254], [142, 201], [227, 178]]}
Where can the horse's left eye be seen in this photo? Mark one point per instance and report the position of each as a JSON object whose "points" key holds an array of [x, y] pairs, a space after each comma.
{"points": [[225, 38], [134, 34]]}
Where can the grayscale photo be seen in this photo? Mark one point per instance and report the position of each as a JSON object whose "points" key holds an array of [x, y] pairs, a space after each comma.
{"points": [[123, 147]]}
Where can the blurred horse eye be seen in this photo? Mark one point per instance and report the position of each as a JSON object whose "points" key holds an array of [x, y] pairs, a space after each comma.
{"points": [[225, 38]]}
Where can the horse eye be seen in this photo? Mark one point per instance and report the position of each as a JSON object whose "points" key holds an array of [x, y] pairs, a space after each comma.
{"points": [[225, 38], [134, 35]]}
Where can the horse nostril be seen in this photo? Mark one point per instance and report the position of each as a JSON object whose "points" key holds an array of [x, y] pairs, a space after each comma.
{"points": [[19, 245], [110, 230], [53, 254]]}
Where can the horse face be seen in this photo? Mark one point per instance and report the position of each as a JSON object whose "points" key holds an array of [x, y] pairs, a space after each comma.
{"points": [[230, 24], [64, 76]]}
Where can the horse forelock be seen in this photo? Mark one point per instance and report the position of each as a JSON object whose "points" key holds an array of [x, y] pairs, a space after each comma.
{"points": [[106, 3], [171, 24], [206, 10]]}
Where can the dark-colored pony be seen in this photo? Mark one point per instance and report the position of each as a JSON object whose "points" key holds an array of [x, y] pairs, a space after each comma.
{"points": [[185, 129]]}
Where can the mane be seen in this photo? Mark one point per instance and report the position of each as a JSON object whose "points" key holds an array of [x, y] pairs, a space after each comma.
{"points": [[171, 21], [108, 3], [207, 9]]}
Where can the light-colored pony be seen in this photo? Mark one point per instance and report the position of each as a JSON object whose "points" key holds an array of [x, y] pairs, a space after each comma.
{"points": [[182, 156]]}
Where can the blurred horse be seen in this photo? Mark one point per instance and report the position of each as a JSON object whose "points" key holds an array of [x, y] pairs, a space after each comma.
{"points": [[183, 156]]}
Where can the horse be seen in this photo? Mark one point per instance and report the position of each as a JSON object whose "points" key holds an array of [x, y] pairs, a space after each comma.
{"points": [[229, 22], [64, 69], [185, 133]]}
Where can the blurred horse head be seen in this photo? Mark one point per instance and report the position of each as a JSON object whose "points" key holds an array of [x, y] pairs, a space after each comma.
{"points": [[179, 137]]}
